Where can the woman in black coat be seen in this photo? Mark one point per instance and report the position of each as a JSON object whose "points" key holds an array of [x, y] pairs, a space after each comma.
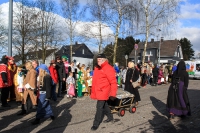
{"points": [[177, 99], [132, 75]]}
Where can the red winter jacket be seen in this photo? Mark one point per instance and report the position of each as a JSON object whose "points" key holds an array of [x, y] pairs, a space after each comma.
{"points": [[54, 74], [5, 76], [104, 83]]}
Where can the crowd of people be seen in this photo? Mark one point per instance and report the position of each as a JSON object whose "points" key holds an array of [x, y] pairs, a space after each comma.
{"points": [[34, 85]]}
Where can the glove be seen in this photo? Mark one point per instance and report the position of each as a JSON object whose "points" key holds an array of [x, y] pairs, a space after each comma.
{"points": [[35, 92], [112, 98]]}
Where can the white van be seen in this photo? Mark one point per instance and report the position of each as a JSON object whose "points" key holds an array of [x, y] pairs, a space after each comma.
{"points": [[193, 68]]}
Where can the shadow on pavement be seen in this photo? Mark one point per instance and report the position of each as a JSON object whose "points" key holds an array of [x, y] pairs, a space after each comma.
{"points": [[62, 118], [160, 123]]}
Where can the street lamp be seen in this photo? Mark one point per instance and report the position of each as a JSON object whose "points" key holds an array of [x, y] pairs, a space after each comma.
{"points": [[10, 28], [159, 50], [126, 57]]}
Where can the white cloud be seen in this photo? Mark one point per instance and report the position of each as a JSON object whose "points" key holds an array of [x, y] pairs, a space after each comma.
{"points": [[61, 25], [190, 11]]}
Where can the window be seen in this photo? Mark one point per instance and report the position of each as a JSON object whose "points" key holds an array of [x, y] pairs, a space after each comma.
{"points": [[148, 53], [83, 52]]}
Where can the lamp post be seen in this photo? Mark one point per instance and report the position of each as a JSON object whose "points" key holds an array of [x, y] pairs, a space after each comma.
{"points": [[159, 51], [126, 57], [10, 28]]}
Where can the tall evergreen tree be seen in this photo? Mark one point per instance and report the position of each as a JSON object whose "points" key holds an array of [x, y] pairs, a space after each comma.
{"points": [[125, 46], [186, 45]]}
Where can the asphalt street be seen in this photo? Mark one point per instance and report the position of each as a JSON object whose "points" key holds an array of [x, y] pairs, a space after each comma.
{"points": [[76, 115]]}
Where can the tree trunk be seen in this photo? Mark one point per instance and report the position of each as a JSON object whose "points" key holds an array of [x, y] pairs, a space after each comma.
{"points": [[147, 36]]}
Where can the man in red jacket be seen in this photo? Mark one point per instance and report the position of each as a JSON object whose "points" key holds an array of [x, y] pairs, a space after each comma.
{"points": [[104, 86], [54, 76], [5, 81]]}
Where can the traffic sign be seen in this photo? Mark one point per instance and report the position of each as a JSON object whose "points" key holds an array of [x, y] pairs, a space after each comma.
{"points": [[136, 46]]}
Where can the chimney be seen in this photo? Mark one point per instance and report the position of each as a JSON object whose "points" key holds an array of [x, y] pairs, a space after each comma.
{"points": [[162, 39], [76, 43], [152, 40]]}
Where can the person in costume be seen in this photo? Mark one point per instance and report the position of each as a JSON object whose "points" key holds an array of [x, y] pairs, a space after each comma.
{"points": [[66, 66], [70, 85], [81, 81], [18, 83], [44, 109], [89, 80], [5, 81], [132, 75], [117, 71], [177, 99], [61, 74], [30, 89], [54, 76], [13, 69]]}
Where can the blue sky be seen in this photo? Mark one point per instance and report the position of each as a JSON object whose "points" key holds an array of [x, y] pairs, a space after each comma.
{"points": [[188, 24]]}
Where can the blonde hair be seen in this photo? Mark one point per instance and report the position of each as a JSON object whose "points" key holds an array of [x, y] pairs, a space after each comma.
{"points": [[29, 65], [131, 64], [42, 73]]}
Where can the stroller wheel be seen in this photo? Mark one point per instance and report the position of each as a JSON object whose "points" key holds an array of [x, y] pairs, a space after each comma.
{"points": [[132, 109], [121, 112]]}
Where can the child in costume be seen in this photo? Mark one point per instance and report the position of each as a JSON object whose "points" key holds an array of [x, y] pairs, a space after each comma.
{"points": [[71, 85], [18, 82]]}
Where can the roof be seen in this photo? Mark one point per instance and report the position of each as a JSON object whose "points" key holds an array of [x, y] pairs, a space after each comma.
{"points": [[77, 51], [35, 54], [168, 47]]}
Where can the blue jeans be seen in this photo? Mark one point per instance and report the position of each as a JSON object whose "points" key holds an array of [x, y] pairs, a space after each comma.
{"points": [[148, 79], [59, 88], [44, 109], [53, 92]]}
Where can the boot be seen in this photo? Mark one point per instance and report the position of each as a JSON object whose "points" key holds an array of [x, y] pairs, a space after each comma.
{"points": [[36, 121], [23, 112]]}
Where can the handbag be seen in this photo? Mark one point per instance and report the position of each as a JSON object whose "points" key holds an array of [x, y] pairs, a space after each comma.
{"points": [[135, 84]]}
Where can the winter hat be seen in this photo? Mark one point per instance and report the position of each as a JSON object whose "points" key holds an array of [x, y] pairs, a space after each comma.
{"points": [[10, 58], [101, 56], [64, 57], [44, 67]]}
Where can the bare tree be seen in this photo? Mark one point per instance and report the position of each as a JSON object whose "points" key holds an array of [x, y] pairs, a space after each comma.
{"points": [[46, 26], [70, 9], [22, 29], [3, 35], [119, 11], [98, 17], [155, 14]]}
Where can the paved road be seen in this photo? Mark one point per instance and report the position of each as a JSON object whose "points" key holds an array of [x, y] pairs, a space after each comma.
{"points": [[76, 116]]}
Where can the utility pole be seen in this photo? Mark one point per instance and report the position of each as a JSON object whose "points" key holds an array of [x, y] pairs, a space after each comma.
{"points": [[10, 28], [159, 50]]}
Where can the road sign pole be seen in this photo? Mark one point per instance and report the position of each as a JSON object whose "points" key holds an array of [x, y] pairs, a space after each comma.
{"points": [[135, 47]]}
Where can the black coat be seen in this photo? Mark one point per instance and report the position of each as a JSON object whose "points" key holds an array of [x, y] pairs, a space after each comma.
{"points": [[128, 84], [155, 72], [47, 85], [60, 70]]}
